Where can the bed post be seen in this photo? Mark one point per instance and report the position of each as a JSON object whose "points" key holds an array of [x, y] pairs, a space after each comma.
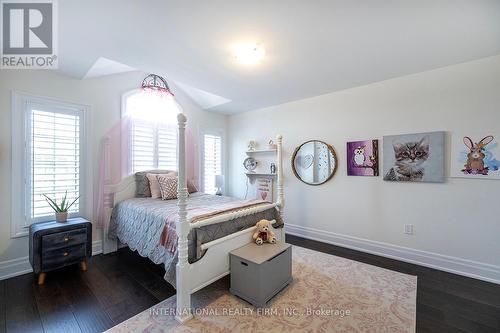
{"points": [[182, 279], [279, 186]]}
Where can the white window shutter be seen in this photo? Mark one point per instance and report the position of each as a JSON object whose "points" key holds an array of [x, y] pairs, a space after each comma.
{"points": [[142, 146], [212, 161], [53, 143], [167, 147], [153, 134]]}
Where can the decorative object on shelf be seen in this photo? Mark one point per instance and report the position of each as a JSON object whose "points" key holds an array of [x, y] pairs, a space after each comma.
{"points": [[362, 158], [314, 162], [252, 145], [273, 168], [272, 145], [414, 157], [61, 209], [475, 159], [250, 164], [264, 189], [156, 84], [54, 245], [219, 183]]}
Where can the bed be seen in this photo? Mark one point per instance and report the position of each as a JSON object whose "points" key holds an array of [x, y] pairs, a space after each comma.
{"points": [[140, 223], [199, 252]]}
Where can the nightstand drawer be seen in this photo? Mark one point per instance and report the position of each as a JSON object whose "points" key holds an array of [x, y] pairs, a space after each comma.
{"points": [[62, 257], [64, 239]]}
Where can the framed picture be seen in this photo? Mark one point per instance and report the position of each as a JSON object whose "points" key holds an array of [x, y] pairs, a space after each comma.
{"points": [[475, 156], [414, 157], [264, 189], [362, 158]]}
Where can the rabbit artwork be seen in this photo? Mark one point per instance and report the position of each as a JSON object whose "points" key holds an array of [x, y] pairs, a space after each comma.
{"points": [[475, 158]]}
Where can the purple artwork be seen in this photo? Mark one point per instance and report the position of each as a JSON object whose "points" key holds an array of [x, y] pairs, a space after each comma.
{"points": [[362, 158]]}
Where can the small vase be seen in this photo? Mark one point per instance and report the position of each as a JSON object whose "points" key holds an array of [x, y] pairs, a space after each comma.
{"points": [[62, 217]]}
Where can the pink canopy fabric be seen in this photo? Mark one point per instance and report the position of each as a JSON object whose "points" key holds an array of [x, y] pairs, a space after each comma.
{"points": [[113, 162]]}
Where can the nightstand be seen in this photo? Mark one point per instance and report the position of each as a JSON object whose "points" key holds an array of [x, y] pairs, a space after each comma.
{"points": [[55, 245]]}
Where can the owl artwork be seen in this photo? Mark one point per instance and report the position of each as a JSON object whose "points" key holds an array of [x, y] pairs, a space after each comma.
{"points": [[362, 158], [359, 156]]}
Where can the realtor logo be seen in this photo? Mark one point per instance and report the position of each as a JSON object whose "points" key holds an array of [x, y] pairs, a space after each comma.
{"points": [[28, 36]]}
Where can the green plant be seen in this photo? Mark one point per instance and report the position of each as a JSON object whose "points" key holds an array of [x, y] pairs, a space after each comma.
{"points": [[63, 207]]}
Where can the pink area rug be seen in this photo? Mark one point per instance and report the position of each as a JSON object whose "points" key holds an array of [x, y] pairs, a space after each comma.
{"points": [[328, 294]]}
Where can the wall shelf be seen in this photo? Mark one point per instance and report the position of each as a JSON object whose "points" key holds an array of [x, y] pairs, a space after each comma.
{"points": [[259, 151], [261, 174]]}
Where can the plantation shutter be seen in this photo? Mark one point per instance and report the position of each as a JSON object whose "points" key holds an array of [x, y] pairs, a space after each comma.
{"points": [[153, 132], [53, 146], [143, 146], [167, 147], [212, 161], [153, 146]]}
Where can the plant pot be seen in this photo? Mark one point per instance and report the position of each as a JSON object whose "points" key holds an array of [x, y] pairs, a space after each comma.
{"points": [[62, 217]]}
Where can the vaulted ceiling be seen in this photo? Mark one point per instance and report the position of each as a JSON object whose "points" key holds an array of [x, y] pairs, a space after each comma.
{"points": [[312, 47]]}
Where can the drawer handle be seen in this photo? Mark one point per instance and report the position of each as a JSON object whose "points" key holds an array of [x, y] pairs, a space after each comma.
{"points": [[66, 254], [244, 263]]}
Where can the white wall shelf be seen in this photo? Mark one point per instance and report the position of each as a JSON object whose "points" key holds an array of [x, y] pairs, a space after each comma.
{"points": [[262, 174], [259, 151]]}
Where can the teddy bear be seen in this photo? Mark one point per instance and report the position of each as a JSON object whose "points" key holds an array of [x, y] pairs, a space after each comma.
{"points": [[263, 233]]}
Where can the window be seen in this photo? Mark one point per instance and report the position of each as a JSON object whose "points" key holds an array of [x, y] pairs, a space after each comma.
{"points": [[48, 155], [153, 131], [212, 161]]}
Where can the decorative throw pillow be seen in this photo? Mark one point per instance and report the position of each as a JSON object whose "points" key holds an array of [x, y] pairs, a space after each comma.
{"points": [[191, 186], [154, 186], [168, 187], [142, 189]]}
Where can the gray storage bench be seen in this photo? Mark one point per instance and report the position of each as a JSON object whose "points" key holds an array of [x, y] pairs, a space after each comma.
{"points": [[258, 272]]}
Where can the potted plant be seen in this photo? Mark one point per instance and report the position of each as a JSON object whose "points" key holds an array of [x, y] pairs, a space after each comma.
{"points": [[61, 210]]}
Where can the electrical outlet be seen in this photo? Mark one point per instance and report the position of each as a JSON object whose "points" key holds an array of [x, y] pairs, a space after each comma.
{"points": [[409, 229]]}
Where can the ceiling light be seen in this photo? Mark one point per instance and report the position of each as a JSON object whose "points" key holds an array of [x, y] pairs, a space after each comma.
{"points": [[248, 54]]}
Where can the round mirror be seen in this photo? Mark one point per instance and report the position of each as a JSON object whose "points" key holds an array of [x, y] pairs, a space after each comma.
{"points": [[314, 162]]}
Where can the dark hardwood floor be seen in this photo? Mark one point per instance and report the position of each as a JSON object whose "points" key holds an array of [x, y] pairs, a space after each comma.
{"points": [[118, 286], [115, 288]]}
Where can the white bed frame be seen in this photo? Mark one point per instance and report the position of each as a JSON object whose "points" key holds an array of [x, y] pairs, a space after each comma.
{"points": [[215, 263]]}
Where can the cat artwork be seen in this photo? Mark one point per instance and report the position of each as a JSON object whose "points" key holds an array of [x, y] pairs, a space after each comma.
{"points": [[414, 158], [410, 157], [362, 158]]}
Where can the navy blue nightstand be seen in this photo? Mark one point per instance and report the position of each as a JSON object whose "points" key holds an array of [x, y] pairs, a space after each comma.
{"points": [[55, 245]]}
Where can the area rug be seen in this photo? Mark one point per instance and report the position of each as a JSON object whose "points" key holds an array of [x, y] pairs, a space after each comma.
{"points": [[328, 294]]}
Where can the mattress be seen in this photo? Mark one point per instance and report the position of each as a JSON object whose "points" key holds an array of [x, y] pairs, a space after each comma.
{"points": [[139, 222]]}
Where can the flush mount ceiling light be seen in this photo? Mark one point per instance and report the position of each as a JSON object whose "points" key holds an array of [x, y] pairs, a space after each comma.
{"points": [[248, 54]]}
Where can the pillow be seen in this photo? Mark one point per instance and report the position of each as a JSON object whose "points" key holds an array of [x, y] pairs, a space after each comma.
{"points": [[154, 186], [168, 187], [191, 186], [142, 183]]}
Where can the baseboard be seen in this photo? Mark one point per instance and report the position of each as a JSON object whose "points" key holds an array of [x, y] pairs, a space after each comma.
{"points": [[96, 247], [14, 267], [20, 266], [469, 268]]}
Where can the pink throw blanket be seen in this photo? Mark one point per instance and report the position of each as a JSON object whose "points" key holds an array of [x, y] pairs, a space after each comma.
{"points": [[169, 236]]}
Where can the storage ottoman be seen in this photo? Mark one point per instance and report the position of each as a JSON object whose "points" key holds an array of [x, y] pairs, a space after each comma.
{"points": [[259, 272]]}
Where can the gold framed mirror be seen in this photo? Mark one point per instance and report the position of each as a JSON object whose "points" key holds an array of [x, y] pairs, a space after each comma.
{"points": [[314, 162]]}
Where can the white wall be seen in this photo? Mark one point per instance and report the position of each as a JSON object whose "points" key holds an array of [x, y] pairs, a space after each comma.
{"points": [[459, 219], [103, 95]]}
